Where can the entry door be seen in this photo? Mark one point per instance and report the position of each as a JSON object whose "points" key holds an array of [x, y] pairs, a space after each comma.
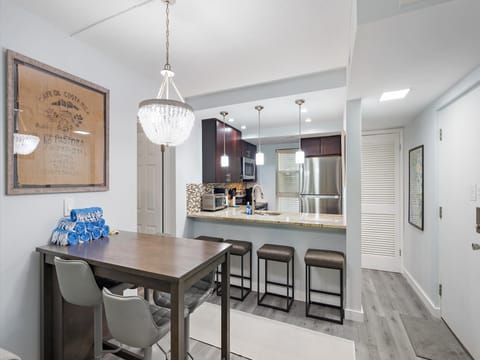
{"points": [[381, 201], [459, 196], [149, 194]]}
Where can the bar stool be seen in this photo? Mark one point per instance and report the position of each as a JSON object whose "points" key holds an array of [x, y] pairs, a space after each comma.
{"points": [[278, 253], [329, 260], [241, 248]]}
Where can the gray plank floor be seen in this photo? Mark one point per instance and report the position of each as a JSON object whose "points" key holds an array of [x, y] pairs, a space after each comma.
{"points": [[381, 336]]}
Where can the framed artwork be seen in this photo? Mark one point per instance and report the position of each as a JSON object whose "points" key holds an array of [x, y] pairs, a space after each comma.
{"points": [[415, 187], [57, 130]]}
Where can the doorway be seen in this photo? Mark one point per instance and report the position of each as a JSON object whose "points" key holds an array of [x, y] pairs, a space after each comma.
{"points": [[459, 198], [149, 186], [381, 200]]}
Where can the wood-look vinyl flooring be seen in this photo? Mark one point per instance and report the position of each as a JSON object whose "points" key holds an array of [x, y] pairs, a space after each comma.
{"points": [[381, 336]]}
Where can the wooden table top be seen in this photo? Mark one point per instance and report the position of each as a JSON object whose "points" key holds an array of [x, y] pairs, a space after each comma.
{"points": [[162, 257]]}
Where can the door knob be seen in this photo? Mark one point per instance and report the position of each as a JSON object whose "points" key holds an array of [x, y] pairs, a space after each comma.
{"points": [[475, 246]]}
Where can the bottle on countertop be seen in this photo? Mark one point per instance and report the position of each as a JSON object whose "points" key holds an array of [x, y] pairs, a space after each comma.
{"points": [[248, 209]]}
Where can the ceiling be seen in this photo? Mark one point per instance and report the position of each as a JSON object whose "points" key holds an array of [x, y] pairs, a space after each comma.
{"points": [[218, 45], [279, 118], [215, 44], [427, 50]]}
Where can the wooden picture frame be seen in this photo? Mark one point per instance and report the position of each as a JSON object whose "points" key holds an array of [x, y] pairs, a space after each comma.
{"points": [[416, 187], [57, 130]]}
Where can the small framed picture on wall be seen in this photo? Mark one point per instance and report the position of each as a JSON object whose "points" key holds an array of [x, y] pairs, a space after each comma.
{"points": [[415, 187]]}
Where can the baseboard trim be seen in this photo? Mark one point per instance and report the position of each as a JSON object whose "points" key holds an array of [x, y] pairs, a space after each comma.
{"points": [[354, 315], [434, 310]]}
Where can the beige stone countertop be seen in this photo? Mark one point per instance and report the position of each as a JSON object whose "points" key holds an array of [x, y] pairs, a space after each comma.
{"points": [[327, 221]]}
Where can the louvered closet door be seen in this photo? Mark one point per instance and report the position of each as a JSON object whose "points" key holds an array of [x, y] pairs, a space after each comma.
{"points": [[381, 202]]}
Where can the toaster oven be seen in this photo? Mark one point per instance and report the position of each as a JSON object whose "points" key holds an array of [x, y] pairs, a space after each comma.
{"points": [[213, 202]]}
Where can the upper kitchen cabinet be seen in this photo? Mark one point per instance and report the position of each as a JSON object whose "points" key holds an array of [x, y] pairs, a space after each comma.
{"points": [[322, 146], [213, 132], [248, 150]]}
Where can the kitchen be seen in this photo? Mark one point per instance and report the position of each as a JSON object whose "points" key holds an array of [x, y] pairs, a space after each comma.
{"points": [[340, 64]]}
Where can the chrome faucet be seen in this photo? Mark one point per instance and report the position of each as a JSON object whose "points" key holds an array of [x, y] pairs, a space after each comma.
{"points": [[254, 201]]}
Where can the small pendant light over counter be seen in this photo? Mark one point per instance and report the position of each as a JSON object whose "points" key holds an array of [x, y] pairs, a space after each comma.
{"points": [[299, 155], [224, 157], [166, 121], [259, 156]]}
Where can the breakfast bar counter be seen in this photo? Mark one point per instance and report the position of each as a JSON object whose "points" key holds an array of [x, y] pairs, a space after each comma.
{"points": [[300, 231], [237, 214]]}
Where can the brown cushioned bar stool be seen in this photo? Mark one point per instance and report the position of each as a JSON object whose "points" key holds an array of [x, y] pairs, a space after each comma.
{"points": [[278, 253], [215, 239], [241, 248], [324, 259]]}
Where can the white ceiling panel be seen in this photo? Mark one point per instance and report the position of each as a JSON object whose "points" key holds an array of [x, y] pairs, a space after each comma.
{"points": [[216, 44]]}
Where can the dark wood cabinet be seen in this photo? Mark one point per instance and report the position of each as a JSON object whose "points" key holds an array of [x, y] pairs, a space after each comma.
{"points": [[213, 131], [248, 150], [322, 146]]}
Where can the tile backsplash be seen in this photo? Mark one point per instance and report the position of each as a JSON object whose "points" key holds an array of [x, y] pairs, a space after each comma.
{"points": [[195, 192]]}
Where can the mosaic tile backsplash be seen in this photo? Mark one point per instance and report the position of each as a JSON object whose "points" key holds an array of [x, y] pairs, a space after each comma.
{"points": [[195, 192]]}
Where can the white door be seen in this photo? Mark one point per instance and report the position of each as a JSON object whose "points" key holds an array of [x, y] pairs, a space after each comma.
{"points": [[149, 177], [459, 187], [381, 201]]}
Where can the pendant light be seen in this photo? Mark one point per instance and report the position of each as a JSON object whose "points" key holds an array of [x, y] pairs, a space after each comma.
{"points": [[259, 156], [166, 121], [299, 155], [224, 157]]}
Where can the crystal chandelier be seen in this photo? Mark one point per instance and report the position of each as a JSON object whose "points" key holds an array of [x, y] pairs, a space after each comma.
{"points": [[166, 121], [224, 157], [299, 155], [259, 156]]}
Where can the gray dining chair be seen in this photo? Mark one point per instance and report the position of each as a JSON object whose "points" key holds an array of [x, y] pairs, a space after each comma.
{"points": [[78, 286], [135, 323]]}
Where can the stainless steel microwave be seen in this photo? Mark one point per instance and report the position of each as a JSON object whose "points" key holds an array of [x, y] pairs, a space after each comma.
{"points": [[248, 169], [213, 202]]}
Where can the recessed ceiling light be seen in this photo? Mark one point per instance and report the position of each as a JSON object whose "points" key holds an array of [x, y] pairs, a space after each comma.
{"points": [[304, 110], [394, 95], [231, 120], [243, 127], [308, 120]]}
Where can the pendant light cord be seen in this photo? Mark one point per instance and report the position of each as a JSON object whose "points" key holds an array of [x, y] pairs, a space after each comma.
{"points": [[299, 126], [259, 142], [167, 37], [224, 130]]}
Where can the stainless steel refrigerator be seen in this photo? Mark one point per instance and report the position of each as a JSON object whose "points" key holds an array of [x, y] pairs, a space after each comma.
{"points": [[321, 185]]}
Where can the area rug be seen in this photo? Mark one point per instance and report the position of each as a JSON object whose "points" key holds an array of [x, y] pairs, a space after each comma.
{"points": [[432, 339], [259, 338]]}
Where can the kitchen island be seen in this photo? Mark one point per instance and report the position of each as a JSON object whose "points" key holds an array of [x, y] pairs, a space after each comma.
{"points": [[301, 231]]}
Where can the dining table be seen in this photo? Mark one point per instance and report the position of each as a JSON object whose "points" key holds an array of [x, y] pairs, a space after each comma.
{"points": [[161, 262]]}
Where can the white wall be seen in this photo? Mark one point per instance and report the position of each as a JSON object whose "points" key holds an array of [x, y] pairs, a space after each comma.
{"points": [[421, 248], [266, 174], [353, 138], [188, 171], [26, 221]]}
